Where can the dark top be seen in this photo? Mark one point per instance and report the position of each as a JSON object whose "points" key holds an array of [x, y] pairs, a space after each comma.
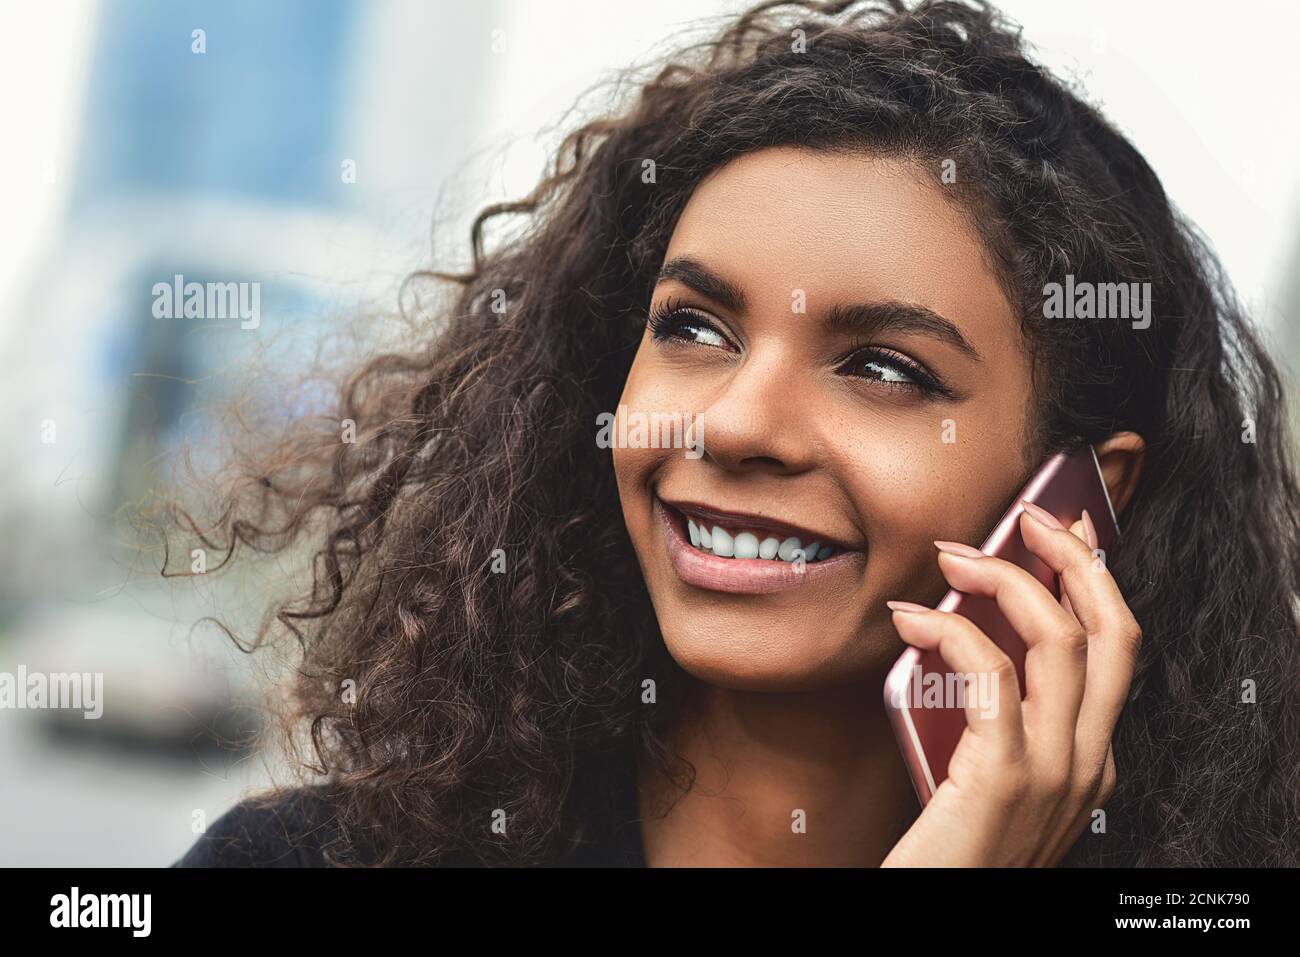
{"points": [[294, 831]]}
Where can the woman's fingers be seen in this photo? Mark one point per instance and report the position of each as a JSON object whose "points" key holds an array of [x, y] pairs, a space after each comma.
{"points": [[1079, 531], [1089, 801], [1094, 596], [1056, 660], [994, 715], [1113, 633]]}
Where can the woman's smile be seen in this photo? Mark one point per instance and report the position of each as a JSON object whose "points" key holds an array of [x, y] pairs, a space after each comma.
{"points": [[750, 554]]}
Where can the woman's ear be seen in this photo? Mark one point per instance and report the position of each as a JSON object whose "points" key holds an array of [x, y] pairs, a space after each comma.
{"points": [[1121, 457]]}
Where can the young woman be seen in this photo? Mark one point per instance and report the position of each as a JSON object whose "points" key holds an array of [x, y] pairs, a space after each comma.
{"points": [[826, 238]]}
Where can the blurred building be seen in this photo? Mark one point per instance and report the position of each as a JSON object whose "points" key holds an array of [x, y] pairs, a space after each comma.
{"points": [[299, 146]]}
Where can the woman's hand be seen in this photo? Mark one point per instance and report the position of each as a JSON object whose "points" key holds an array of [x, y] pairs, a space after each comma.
{"points": [[1023, 784]]}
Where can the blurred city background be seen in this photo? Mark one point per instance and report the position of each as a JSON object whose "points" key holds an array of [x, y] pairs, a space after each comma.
{"points": [[325, 149]]}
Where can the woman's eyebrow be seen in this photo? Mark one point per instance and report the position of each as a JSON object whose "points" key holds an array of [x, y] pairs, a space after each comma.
{"points": [[695, 275], [870, 318]]}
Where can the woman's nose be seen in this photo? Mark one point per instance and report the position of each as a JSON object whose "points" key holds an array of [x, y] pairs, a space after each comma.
{"points": [[760, 419]]}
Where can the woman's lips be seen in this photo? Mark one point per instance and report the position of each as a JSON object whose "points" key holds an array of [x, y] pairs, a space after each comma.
{"points": [[742, 576]]}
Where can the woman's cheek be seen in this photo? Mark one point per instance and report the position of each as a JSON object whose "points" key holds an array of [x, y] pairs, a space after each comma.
{"points": [[654, 387], [914, 488], [644, 396]]}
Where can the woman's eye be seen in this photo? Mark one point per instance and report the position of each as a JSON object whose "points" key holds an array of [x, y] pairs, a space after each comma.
{"points": [[895, 371], [886, 371], [686, 326]]}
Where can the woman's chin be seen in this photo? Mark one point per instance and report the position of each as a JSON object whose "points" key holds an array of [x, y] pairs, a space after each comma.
{"points": [[761, 663]]}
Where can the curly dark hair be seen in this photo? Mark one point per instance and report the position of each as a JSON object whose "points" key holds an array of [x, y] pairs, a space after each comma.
{"points": [[521, 690]]}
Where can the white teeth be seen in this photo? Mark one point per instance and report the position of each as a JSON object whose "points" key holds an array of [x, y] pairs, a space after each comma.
{"points": [[746, 545]]}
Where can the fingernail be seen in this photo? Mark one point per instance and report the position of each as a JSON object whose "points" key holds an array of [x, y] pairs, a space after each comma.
{"points": [[1089, 529], [905, 606], [957, 548], [1041, 514]]}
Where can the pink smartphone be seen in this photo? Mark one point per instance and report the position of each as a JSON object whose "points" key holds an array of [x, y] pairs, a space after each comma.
{"points": [[1065, 485]]}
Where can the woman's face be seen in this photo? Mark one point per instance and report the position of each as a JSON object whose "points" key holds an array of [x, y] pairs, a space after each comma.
{"points": [[858, 379]]}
